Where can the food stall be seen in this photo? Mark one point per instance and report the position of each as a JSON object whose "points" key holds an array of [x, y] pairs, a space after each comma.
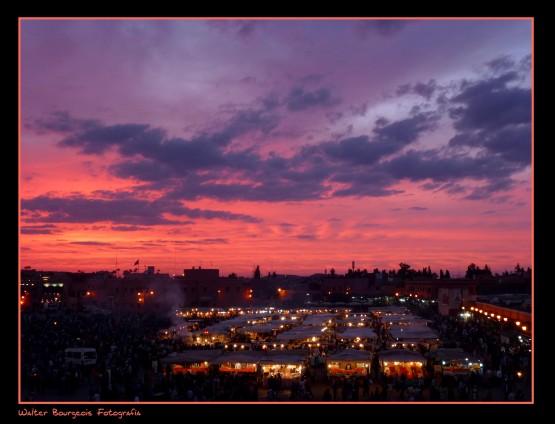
{"points": [[176, 332], [209, 336], [241, 362], [358, 337], [413, 335], [260, 331], [304, 336], [349, 362], [455, 361], [398, 362], [290, 365], [192, 361]]}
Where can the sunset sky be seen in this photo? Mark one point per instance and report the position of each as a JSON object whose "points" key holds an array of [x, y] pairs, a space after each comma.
{"points": [[296, 145]]}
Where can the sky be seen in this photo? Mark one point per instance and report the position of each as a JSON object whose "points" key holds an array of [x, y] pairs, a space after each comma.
{"points": [[298, 145]]}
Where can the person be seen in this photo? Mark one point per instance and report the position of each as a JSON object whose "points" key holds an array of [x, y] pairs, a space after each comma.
{"points": [[327, 395], [474, 394], [488, 397]]}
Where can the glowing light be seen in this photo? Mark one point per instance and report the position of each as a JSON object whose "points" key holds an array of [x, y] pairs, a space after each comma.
{"points": [[523, 328], [505, 319], [517, 323]]}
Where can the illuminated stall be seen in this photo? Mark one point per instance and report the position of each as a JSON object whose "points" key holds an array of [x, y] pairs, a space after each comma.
{"points": [[289, 364], [304, 336], [192, 361], [209, 336], [242, 362], [410, 335], [176, 332], [259, 331], [398, 362], [455, 361], [349, 362], [358, 337]]}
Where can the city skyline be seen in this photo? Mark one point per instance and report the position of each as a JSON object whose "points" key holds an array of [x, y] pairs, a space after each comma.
{"points": [[296, 145]]}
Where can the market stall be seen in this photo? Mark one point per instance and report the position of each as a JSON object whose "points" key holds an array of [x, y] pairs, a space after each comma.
{"points": [[358, 337], [193, 361], [176, 332], [398, 362], [349, 362], [455, 361], [413, 335], [242, 362], [307, 336], [289, 364]]}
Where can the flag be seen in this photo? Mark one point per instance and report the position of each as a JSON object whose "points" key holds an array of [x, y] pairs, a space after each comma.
{"points": [[136, 262]]}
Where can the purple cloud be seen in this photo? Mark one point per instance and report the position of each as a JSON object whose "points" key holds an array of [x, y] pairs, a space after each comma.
{"points": [[299, 99], [383, 28]]}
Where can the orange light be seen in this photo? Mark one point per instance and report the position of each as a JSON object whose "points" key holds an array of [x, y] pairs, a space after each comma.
{"points": [[88, 293], [505, 319], [517, 323], [152, 292], [279, 290], [498, 316], [523, 328]]}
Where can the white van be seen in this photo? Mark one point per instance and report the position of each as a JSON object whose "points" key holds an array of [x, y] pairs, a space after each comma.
{"points": [[80, 356]]}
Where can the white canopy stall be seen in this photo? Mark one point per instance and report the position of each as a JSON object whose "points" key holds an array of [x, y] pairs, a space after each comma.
{"points": [[239, 362], [193, 361], [397, 362], [349, 362], [412, 335], [288, 363], [359, 336]]}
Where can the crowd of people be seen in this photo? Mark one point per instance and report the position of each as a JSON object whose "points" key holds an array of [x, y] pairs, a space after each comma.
{"points": [[130, 352]]}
